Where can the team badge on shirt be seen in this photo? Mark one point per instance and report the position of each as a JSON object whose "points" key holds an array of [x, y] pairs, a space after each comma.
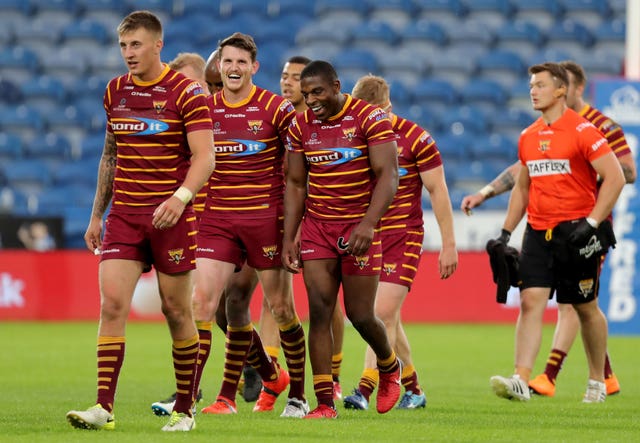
{"points": [[362, 261], [349, 133], [544, 145], [159, 105], [255, 126], [176, 255], [389, 268], [270, 251]]}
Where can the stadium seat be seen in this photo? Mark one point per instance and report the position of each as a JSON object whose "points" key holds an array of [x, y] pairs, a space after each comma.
{"points": [[278, 8], [233, 7], [465, 118], [52, 201], [486, 93], [611, 36], [495, 148], [503, 66], [76, 219], [108, 62], [91, 147], [41, 36], [399, 93], [322, 34], [397, 13], [591, 13], [544, 13], [62, 11], [276, 33], [46, 93], [49, 146], [330, 10], [424, 37], [549, 54], [471, 35], [18, 64], [79, 173], [520, 36], [445, 12], [6, 35], [457, 64], [17, 203], [494, 13], [569, 35], [162, 8], [29, 176], [85, 33], [353, 61], [601, 62], [10, 147], [107, 12], [374, 35], [10, 92], [65, 63], [454, 146], [193, 8], [404, 66], [71, 121], [510, 121], [426, 116], [434, 91], [15, 9], [26, 121]]}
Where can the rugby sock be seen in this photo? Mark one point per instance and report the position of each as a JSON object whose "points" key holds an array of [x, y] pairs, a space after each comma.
{"points": [[293, 346], [236, 348], [204, 335], [410, 379], [260, 360], [608, 372], [185, 365], [389, 364], [273, 352], [323, 387], [368, 382], [110, 357], [336, 365], [554, 364]]}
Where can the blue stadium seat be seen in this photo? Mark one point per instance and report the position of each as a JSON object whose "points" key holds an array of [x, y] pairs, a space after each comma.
{"points": [[6, 35], [510, 121], [30, 176], [434, 91], [446, 12], [41, 36], [49, 146], [471, 35], [65, 63], [486, 93], [404, 66], [591, 13], [76, 219], [15, 202], [46, 93], [544, 13], [85, 33], [454, 146], [15, 9], [374, 34], [353, 61], [81, 174], [26, 121], [494, 13], [271, 56], [69, 120], [162, 8], [62, 11], [278, 8], [520, 36], [601, 62], [91, 147], [503, 66], [339, 9], [611, 36], [233, 7], [495, 148], [18, 63], [399, 93], [397, 13], [549, 54], [424, 37], [425, 116], [205, 8], [276, 32], [456, 64], [90, 87], [570, 35], [9, 92], [466, 118], [52, 201], [322, 34], [10, 147], [108, 12], [107, 62]]}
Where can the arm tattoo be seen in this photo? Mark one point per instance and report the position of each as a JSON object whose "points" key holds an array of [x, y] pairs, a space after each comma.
{"points": [[628, 173], [106, 173], [503, 182]]}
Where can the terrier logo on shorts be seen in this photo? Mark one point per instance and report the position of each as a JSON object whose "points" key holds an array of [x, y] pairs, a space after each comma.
{"points": [[586, 287], [270, 251], [341, 244], [389, 268], [362, 261], [159, 105], [255, 126], [176, 255]]}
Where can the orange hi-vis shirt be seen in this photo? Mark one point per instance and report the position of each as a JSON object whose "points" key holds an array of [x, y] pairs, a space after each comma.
{"points": [[558, 158]]}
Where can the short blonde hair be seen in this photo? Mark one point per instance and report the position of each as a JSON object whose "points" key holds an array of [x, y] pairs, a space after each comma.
{"points": [[372, 89], [196, 61]]}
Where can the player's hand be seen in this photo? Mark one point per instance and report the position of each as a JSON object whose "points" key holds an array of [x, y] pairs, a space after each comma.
{"points": [[581, 233], [471, 201], [360, 239], [447, 262], [504, 237], [291, 256], [168, 213], [93, 235]]}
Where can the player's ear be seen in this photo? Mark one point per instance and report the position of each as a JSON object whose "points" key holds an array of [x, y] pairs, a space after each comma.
{"points": [[559, 92]]}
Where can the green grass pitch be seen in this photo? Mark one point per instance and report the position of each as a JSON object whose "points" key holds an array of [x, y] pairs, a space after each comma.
{"points": [[47, 369]]}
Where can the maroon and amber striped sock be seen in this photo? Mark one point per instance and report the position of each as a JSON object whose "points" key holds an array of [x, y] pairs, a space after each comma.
{"points": [[293, 347], [608, 372], [236, 348], [389, 364], [185, 365], [273, 352], [323, 387], [110, 358], [260, 360], [336, 365], [204, 336], [368, 382], [554, 364], [410, 379]]}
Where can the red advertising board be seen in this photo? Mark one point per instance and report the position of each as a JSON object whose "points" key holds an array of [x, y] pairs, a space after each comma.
{"points": [[63, 285]]}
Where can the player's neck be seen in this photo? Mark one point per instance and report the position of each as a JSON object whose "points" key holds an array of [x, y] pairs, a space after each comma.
{"points": [[553, 113], [151, 74], [234, 97]]}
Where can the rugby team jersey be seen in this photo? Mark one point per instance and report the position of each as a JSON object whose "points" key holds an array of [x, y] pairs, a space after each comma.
{"points": [[248, 179], [611, 130], [340, 180], [558, 156], [150, 121], [201, 196], [417, 152]]}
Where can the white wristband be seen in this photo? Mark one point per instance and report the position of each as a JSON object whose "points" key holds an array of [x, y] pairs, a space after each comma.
{"points": [[592, 222], [183, 194], [487, 191]]}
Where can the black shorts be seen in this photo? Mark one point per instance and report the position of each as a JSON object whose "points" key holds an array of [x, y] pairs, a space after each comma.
{"points": [[548, 260]]}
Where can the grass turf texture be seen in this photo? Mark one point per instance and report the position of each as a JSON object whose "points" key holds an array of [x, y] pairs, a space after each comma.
{"points": [[49, 368]]}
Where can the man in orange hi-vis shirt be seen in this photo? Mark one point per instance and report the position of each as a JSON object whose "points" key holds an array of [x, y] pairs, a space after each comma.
{"points": [[562, 155]]}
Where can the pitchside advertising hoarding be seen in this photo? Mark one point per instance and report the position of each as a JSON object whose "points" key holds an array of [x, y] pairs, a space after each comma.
{"points": [[620, 287]]}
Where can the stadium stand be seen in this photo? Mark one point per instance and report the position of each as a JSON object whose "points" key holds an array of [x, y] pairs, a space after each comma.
{"points": [[457, 67]]}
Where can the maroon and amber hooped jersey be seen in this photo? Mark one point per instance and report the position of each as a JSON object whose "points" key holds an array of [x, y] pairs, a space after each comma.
{"points": [[337, 153], [150, 121], [248, 179], [417, 152]]}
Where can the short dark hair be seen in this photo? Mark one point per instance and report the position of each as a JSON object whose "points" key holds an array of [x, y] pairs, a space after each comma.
{"points": [[141, 19], [556, 70], [299, 60], [320, 68], [577, 71], [240, 41]]}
